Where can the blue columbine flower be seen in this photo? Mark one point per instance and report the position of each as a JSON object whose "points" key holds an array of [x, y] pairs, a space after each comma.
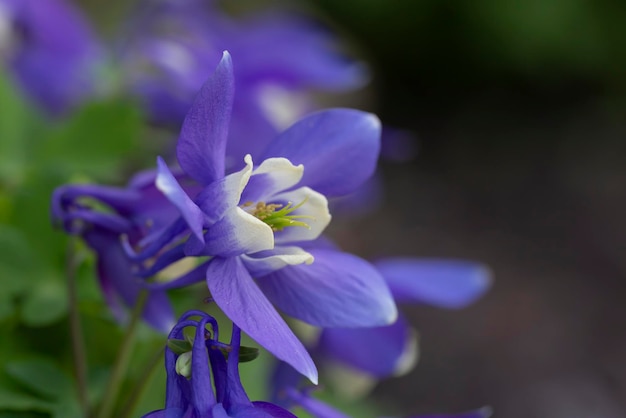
{"points": [[190, 393], [260, 225], [173, 45], [50, 50]]}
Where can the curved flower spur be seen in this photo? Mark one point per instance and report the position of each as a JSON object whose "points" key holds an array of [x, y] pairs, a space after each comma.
{"points": [[190, 393], [254, 222]]}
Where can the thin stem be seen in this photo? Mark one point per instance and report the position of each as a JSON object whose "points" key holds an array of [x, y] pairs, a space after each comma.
{"points": [[123, 358], [78, 340], [140, 388]]}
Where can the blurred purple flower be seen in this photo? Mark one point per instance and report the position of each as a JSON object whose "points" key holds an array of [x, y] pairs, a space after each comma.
{"points": [[50, 50], [129, 212], [190, 393], [173, 46], [392, 350], [247, 224]]}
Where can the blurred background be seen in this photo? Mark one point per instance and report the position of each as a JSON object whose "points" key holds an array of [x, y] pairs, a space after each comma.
{"points": [[518, 110], [520, 113]]}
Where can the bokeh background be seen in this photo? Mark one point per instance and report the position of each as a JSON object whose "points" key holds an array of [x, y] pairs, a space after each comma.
{"points": [[518, 109]]}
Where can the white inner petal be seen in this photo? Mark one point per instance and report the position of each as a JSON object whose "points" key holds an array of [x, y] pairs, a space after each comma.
{"points": [[281, 174], [238, 233], [235, 183], [409, 356], [282, 257], [315, 207]]}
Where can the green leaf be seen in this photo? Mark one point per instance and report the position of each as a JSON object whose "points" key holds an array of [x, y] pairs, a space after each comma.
{"points": [[42, 376], [45, 303], [17, 401], [94, 141]]}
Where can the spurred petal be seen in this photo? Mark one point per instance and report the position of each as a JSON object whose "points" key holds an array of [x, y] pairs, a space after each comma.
{"points": [[202, 392], [237, 233], [242, 301], [378, 351], [202, 143], [337, 290], [443, 283], [314, 207], [167, 184], [265, 262], [338, 148], [274, 175]]}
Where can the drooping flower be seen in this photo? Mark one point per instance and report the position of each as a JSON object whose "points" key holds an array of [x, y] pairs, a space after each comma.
{"points": [[190, 393], [255, 223], [50, 50], [101, 215], [173, 46]]}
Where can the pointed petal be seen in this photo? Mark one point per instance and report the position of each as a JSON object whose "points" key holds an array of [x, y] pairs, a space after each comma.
{"points": [[265, 262], [242, 301], [338, 148], [237, 233], [444, 283], [201, 146], [379, 351], [167, 184], [315, 208], [273, 176], [337, 290]]}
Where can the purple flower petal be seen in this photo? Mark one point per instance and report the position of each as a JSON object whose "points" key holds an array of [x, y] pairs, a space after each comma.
{"points": [[444, 283], [202, 143], [378, 351], [117, 280], [203, 398], [338, 148], [242, 301], [273, 410], [336, 290], [167, 184]]}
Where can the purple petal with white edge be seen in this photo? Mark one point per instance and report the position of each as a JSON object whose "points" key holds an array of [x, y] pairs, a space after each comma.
{"points": [[236, 293], [379, 351], [338, 148], [238, 233], [201, 146], [167, 184], [485, 412], [445, 283], [224, 193], [337, 290], [315, 210], [273, 176], [265, 262]]}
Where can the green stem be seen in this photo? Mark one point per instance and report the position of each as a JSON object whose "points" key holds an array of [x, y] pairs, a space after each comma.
{"points": [[123, 359], [145, 377], [78, 340]]}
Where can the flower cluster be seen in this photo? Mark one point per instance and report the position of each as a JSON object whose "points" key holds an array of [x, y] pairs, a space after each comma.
{"points": [[246, 203]]}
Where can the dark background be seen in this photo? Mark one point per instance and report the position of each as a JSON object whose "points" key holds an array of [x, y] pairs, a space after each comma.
{"points": [[519, 109]]}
